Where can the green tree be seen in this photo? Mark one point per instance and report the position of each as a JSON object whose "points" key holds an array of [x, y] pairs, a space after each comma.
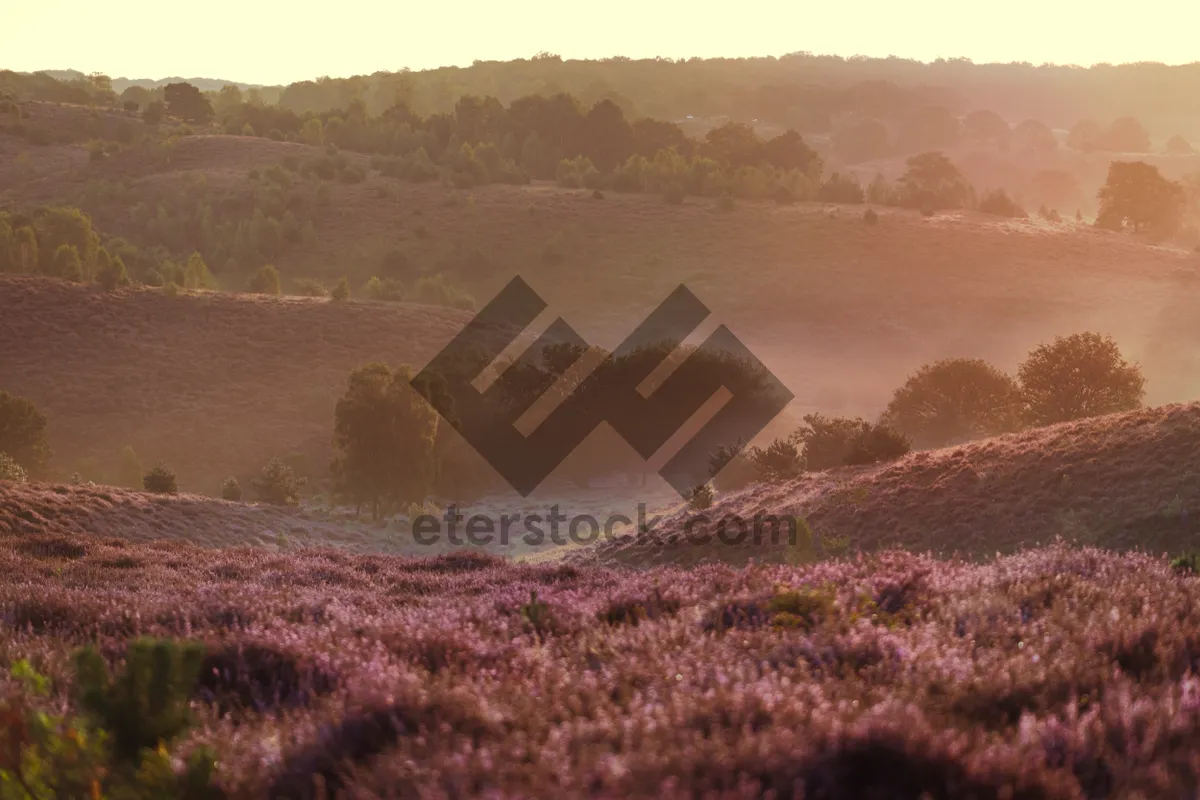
{"points": [[187, 102], [24, 253], [986, 126], [265, 281], [161, 479], [67, 264], [1032, 136], [953, 401], [1079, 376], [278, 484], [932, 180], [154, 113], [341, 292], [111, 273], [789, 151], [384, 435], [23, 434], [1179, 146], [735, 144], [197, 274], [1136, 195], [10, 470], [1126, 135]]}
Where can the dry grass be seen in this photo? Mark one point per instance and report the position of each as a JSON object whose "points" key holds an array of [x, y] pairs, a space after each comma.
{"points": [[1125, 481]]}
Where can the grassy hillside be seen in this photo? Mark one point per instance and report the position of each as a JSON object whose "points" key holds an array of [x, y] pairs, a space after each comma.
{"points": [[1124, 481]]}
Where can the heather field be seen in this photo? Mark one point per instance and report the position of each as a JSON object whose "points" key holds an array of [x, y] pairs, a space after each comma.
{"points": [[1057, 672]]}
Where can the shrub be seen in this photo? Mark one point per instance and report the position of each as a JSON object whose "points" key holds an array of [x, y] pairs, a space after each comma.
{"points": [[10, 470], [310, 287], [278, 484], [597, 194], [839, 188], [112, 275], [876, 444], [953, 401], [870, 217], [386, 290], [732, 468], [265, 281], [779, 461], [23, 434], [674, 194], [160, 480], [701, 497], [436, 290], [341, 292], [783, 195], [353, 174], [1083, 375], [231, 490], [146, 705], [725, 203], [999, 203]]}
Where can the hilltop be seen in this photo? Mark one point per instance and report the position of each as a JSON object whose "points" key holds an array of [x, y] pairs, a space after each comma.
{"points": [[1123, 481]]}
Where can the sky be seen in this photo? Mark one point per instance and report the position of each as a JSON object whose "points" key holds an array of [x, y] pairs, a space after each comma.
{"points": [[271, 42]]}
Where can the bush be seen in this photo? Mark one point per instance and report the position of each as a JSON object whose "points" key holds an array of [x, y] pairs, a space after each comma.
{"points": [[23, 434], [674, 194], [597, 194], [1083, 375], [870, 217], [876, 444], [953, 401], [341, 292], [353, 174], [310, 287], [386, 290], [10, 470], [265, 281], [839, 188], [779, 461], [732, 468], [725, 203], [112, 275], [231, 490], [701, 497], [840, 441], [436, 290], [278, 485], [999, 203], [160, 480], [146, 705]]}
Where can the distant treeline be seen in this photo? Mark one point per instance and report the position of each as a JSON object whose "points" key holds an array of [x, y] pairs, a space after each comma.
{"points": [[802, 91]]}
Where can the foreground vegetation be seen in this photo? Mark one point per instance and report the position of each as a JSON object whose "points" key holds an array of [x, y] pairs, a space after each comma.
{"points": [[1053, 673]]}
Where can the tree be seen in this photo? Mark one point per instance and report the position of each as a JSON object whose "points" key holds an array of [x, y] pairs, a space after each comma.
{"points": [[861, 141], [265, 281], [231, 490], [606, 138], [1083, 375], [111, 273], [154, 113], [780, 461], [341, 292], [24, 255], [197, 274], [1136, 195], [999, 203], [278, 484], [929, 128], [931, 180], [788, 151], [1126, 135], [10, 470], [160, 479], [953, 401], [187, 102], [384, 435], [23, 434], [1179, 146], [986, 126], [734, 143], [1085, 136], [1032, 136]]}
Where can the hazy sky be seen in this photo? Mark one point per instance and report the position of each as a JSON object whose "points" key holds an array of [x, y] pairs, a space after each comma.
{"points": [[268, 41]]}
